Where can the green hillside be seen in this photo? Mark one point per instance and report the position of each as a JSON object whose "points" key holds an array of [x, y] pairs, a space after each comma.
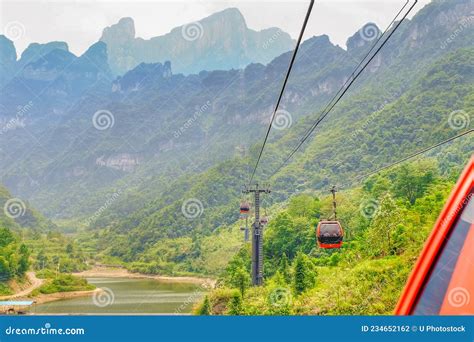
{"points": [[158, 191], [386, 223], [417, 119]]}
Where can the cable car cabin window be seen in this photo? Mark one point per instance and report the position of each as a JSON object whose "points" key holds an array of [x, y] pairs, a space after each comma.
{"points": [[451, 280], [330, 232]]}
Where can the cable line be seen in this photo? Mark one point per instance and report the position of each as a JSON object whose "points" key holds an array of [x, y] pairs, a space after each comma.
{"points": [[416, 154], [362, 60], [293, 57], [345, 88]]}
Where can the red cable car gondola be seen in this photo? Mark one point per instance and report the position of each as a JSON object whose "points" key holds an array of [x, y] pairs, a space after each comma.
{"points": [[244, 208], [330, 233]]}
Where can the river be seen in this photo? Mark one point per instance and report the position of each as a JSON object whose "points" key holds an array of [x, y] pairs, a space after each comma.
{"points": [[129, 296]]}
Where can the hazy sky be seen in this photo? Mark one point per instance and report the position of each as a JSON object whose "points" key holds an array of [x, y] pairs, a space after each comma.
{"points": [[80, 22]]}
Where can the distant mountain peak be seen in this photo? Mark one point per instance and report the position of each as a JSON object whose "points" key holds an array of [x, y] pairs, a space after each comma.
{"points": [[220, 41], [7, 50], [233, 14], [123, 31], [367, 34], [36, 50]]}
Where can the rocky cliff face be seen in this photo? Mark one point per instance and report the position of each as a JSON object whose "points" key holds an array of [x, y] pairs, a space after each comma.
{"points": [[163, 118], [220, 41], [7, 58]]}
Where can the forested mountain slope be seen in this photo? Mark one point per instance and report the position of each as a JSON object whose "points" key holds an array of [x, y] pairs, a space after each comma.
{"points": [[370, 128], [162, 126]]}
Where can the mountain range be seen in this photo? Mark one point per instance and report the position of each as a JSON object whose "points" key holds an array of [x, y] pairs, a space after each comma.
{"points": [[221, 41], [123, 153]]}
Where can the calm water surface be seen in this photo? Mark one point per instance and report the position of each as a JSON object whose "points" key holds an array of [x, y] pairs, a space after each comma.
{"points": [[132, 296]]}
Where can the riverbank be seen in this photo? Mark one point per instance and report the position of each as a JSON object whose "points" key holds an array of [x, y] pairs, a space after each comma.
{"points": [[108, 272], [32, 284], [51, 297], [35, 283]]}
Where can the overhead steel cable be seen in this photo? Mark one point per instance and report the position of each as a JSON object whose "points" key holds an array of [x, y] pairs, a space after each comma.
{"points": [[358, 66], [290, 67], [345, 87], [413, 155]]}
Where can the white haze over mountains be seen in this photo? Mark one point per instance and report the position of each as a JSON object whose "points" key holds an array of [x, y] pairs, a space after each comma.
{"points": [[80, 23]]}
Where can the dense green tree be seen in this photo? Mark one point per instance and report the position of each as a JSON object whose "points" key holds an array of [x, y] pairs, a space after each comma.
{"points": [[240, 279], [285, 269], [23, 263], [386, 220], [205, 308], [41, 260], [235, 304], [303, 274], [69, 249], [5, 271], [6, 237], [412, 180]]}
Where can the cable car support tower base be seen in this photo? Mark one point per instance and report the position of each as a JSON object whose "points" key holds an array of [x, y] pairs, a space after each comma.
{"points": [[257, 236]]}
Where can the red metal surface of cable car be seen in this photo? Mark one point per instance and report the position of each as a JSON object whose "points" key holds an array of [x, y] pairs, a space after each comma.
{"points": [[442, 280], [329, 234], [244, 208]]}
